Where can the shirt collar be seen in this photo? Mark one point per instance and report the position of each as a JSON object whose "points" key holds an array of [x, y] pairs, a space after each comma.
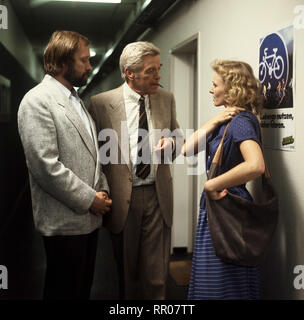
{"points": [[131, 95], [63, 88]]}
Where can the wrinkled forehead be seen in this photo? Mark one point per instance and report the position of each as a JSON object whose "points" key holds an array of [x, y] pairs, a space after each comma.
{"points": [[149, 60]]}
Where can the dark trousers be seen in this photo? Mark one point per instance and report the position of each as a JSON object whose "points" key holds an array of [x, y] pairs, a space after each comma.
{"points": [[70, 266], [142, 249]]}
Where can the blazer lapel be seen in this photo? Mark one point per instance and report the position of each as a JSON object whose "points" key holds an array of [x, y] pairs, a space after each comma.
{"points": [[157, 115], [94, 132], [117, 113], [73, 116]]}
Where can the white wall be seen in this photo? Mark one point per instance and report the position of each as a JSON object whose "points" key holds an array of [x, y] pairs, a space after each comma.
{"points": [[231, 29], [182, 86], [17, 43]]}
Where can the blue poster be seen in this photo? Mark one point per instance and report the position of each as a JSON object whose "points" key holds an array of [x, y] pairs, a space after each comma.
{"points": [[276, 76], [275, 69]]}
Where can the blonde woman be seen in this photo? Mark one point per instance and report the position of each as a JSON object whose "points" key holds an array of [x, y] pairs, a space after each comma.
{"points": [[235, 87]]}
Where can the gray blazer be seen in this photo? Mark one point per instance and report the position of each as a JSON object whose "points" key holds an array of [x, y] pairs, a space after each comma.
{"points": [[62, 162]]}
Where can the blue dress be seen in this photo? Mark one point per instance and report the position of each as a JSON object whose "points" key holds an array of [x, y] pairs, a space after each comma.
{"points": [[211, 278]]}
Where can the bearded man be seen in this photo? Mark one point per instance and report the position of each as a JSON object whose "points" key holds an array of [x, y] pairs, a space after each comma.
{"points": [[69, 191]]}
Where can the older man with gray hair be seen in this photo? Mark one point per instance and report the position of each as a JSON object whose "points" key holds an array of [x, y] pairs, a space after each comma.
{"points": [[141, 218]]}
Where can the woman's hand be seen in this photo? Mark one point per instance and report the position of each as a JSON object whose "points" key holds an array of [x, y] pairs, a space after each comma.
{"points": [[251, 168], [227, 114], [212, 193], [191, 145]]}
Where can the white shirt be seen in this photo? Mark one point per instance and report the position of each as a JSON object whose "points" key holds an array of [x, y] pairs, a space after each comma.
{"points": [[131, 99]]}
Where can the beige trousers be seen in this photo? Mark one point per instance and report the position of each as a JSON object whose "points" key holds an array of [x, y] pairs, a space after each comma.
{"points": [[142, 249]]}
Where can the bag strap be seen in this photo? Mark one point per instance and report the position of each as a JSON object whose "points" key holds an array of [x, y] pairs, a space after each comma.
{"points": [[219, 152], [266, 173]]}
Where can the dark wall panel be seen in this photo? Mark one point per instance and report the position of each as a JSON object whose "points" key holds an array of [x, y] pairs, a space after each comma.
{"points": [[18, 241]]}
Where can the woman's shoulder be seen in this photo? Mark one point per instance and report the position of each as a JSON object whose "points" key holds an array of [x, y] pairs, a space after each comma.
{"points": [[244, 118], [244, 126]]}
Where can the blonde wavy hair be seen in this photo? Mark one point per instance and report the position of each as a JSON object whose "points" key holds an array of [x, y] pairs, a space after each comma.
{"points": [[242, 89]]}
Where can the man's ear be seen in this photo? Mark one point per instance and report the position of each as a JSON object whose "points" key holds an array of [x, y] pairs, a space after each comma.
{"points": [[130, 75], [64, 68]]}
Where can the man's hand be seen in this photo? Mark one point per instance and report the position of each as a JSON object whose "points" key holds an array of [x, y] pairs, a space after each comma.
{"points": [[105, 195], [101, 204], [163, 144], [164, 150]]}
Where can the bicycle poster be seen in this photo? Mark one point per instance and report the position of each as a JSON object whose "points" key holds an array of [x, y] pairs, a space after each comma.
{"points": [[276, 77]]}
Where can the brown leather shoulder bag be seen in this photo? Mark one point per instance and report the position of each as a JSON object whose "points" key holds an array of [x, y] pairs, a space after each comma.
{"points": [[241, 230]]}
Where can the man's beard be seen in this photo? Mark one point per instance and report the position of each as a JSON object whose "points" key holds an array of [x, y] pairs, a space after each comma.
{"points": [[73, 79]]}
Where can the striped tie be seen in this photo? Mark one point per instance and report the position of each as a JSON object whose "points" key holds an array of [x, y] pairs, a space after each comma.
{"points": [[142, 169]]}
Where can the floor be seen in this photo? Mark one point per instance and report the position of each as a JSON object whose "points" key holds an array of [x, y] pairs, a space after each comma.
{"points": [[106, 284], [178, 290], [22, 252]]}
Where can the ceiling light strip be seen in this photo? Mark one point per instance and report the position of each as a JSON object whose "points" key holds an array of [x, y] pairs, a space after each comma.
{"points": [[37, 3], [95, 1]]}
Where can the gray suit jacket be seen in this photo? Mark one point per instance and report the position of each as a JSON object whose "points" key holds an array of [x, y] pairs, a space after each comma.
{"points": [[108, 111], [62, 162]]}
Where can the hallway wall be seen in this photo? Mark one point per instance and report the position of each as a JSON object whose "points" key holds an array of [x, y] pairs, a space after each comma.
{"points": [[20, 65], [231, 29], [17, 43], [20, 248]]}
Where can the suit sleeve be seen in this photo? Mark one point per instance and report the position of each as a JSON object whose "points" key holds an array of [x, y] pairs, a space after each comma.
{"points": [[103, 183], [92, 112], [38, 134]]}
